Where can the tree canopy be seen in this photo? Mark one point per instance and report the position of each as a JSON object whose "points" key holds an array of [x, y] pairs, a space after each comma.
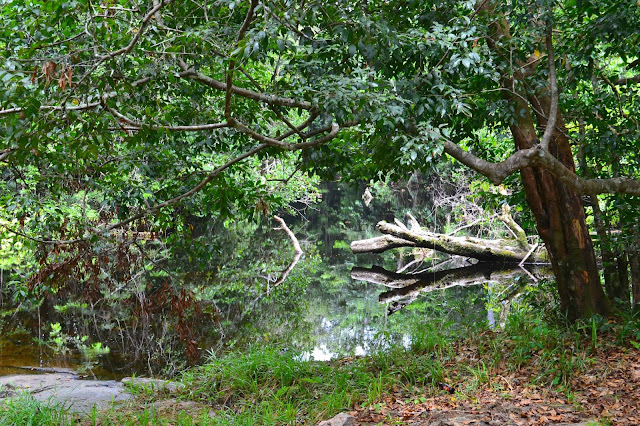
{"points": [[167, 108]]}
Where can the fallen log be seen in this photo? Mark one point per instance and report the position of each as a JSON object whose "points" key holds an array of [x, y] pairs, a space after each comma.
{"points": [[514, 249]]}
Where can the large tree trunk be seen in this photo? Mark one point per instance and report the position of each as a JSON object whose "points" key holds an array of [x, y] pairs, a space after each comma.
{"points": [[622, 287], [560, 219], [600, 223], [608, 259], [558, 210]]}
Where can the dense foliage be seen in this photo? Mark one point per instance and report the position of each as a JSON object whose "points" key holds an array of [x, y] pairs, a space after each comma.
{"points": [[138, 114]]}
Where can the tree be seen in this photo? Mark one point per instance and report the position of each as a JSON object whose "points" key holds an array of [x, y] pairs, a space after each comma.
{"points": [[181, 103]]}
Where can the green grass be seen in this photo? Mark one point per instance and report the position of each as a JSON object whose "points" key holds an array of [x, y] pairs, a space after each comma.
{"points": [[273, 387], [25, 410], [264, 385]]}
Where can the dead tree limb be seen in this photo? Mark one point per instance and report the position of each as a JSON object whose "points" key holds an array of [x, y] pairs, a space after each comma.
{"points": [[518, 232], [296, 247], [509, 250], [516, 249]]}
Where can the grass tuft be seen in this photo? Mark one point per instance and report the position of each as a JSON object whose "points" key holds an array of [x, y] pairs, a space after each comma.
{"points": [[26, 410]]}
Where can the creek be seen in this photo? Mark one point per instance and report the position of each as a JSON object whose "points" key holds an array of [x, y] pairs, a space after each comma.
{"points": [[324, 309]]}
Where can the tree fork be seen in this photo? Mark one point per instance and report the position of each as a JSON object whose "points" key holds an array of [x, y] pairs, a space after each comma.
{"points": [[557, 208]]}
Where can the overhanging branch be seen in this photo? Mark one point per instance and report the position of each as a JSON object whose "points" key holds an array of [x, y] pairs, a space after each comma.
{"points": [[333, 130], [80, 107], [189, 73], [296, 247], [623, 81], [143, 24], [137, 125], [539, 157], [106, 229]]}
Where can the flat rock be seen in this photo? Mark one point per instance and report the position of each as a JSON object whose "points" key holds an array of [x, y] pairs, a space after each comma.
{"points": [[157, 385], [79, 396], [342, 419]]}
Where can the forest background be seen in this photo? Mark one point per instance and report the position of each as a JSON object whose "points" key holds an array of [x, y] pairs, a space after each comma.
{"points": [[130, 119]]}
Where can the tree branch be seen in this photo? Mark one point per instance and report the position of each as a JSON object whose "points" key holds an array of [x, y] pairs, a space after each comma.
{"points": [[623, 81], [136, 37], [105, 229], [273, 108], [497, 172], [232, 61], [82, 107], [137, 125], [553, 81], [296, 247], [128, 47], [272, 142], [245, 93], [333, 132], [292, 237], [5, 153]]}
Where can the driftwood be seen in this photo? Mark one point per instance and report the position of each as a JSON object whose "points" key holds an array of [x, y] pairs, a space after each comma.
{"points": [[407, 287], [515, 249]]}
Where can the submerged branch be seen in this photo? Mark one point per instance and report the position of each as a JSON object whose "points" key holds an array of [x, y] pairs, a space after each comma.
{"points": [[285, 228]]}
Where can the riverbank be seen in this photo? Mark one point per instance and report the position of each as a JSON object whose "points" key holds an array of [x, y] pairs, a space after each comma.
{"points": [[532, 372]]}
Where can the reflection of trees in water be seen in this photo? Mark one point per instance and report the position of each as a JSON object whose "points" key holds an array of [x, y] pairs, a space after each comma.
{"points": [[406, 288], [229, 273], [439, 201], [356, 322], [140, 332], [346, 313], [153, 321]]}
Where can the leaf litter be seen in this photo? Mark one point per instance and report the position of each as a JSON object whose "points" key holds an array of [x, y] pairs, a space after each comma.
{"points": [[607, 391]]}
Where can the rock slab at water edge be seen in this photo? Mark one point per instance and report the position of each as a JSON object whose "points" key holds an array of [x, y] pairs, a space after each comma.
{"points": [[79, 396]]}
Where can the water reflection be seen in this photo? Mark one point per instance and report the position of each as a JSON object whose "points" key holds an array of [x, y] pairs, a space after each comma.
{"points": [[406, 288], [326, 307]]}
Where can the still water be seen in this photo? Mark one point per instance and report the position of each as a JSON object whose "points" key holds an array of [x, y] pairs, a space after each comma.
{"points": [[332, 304]]}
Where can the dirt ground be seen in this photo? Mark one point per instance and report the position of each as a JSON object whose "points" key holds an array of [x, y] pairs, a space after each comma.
{"points": [[608, 392]]}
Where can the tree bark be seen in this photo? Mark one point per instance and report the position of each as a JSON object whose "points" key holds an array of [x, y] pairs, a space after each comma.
{"points": [[608, 259], [634, 263], [560, 219], [600, 223], [557, 208], [622, 287]]}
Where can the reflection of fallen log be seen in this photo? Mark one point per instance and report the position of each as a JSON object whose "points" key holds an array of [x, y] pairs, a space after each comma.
{"points": [[407, 287], [510, 250]]}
